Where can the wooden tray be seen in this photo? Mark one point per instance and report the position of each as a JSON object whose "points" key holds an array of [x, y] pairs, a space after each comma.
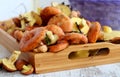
{"points": [[49, 62]]}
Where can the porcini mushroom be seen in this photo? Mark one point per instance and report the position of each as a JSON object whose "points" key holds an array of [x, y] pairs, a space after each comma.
{"points": [[20, 63], [27, 69], [8, 64]]}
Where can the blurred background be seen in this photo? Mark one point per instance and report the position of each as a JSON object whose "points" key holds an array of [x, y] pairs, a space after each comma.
{"points": [[107, 12], [13, 8]]}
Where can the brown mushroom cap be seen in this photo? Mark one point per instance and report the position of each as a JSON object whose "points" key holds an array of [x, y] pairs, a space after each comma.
{"points": [[19, 64]]}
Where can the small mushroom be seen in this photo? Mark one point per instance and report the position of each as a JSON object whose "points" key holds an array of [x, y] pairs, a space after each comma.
{"points": [[31, 18], [8, 64], [42, 48], [16, 20], [18, 35], [75, 14], [27, 69], [19, 64]]}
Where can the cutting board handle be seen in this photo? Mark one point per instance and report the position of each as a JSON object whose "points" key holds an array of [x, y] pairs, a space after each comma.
{"points": [[89, 53], [104, 49]]}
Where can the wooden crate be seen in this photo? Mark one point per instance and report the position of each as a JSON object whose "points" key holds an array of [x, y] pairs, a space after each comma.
{"points": [[49, 62]]}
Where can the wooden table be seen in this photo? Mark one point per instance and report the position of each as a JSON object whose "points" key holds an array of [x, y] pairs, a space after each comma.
{"points": [[110, 70]]}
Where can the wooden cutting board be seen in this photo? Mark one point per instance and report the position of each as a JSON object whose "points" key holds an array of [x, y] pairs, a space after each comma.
{"points": [[50, 62]]}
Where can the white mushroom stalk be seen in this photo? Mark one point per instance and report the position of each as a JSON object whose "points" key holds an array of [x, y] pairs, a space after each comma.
{"points": [[14, 56]]}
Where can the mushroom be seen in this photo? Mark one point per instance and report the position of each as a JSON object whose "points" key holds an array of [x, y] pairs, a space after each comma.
{"points": [[8, 64], [31, 18], [27, 69], [19, 64], [42, 48], [24, 67]]}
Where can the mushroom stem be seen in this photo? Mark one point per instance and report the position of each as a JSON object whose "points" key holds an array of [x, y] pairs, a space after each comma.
{"points": [[14, 56], [25, 67]]}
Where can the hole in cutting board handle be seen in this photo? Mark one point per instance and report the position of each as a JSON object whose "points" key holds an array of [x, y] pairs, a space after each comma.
{"points": [[89, 53]]}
